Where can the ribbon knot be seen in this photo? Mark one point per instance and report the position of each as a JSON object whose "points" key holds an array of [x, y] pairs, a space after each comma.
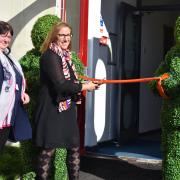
{"points": [[160, 88]]}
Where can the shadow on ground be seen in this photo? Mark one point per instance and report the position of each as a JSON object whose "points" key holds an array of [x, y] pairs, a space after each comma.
{"points": [[93, 168]]}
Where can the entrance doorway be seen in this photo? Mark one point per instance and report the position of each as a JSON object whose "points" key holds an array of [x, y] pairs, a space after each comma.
{"points": [[143, 39], [146, 36]]}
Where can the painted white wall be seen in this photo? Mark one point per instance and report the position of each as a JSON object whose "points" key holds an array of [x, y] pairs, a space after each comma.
{"points": [[22, 16], [151, 56], [93, 31], [98, 131], [100, 101]]}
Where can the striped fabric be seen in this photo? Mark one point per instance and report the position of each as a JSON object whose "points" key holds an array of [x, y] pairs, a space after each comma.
{"points": [[65, 56]]}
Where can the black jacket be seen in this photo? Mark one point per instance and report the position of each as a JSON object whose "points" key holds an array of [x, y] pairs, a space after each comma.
{"points": [[54, 128]]}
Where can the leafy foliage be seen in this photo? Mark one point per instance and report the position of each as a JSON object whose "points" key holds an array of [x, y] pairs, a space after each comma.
{"points": [[78, 63], [177, 30], [170, 114], [41, 28], [29, 176], [60, 165], [11, 163], [30, 65]]}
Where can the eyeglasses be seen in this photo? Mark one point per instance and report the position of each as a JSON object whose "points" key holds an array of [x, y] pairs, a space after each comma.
{"points": [[6, 36], [65, 35]]}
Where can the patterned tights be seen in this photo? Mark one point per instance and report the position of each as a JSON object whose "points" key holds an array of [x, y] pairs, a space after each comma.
{"points": [[45, 163], [73, 163]]}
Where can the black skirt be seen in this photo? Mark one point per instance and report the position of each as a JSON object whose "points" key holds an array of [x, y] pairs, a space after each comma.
{"points": [[54, 129]]}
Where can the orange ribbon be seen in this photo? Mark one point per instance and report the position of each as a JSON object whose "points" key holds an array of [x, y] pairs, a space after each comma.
{"points": [[104, 81], [159, 86]]}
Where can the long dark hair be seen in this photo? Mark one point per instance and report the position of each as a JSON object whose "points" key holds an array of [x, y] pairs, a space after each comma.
{"points": [[5, 28]]}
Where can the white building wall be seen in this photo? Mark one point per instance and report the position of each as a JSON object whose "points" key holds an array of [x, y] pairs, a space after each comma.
{"points": [[100, 127], [22, 15]]}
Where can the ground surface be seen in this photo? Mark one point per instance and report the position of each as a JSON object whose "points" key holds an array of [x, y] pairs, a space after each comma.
{"points": [[93, 168]]}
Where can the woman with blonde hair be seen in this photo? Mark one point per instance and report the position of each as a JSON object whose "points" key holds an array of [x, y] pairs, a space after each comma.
{"points": [[56, 123]]}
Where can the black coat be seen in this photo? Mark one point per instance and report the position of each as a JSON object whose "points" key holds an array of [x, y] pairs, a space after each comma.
{"points": [[54, 129]]}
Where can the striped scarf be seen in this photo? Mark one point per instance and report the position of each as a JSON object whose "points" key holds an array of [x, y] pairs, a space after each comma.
{"points": [[7, 94], [66, 57]]}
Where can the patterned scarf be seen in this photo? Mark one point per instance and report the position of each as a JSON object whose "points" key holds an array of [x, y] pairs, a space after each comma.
{"points": [[7, 94], [66, 57]]}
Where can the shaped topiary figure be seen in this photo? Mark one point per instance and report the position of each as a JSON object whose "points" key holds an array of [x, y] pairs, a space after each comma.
{"points": [[170, 114], [30, 65]]}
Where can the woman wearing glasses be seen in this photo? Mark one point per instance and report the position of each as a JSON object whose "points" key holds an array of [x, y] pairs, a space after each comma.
{"points": [[56, 123], [14, 122]]}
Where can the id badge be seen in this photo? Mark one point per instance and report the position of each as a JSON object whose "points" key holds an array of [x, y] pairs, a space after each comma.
{"points": [[17, 87]]}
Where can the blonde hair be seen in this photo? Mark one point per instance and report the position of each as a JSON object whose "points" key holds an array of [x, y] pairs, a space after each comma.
{"points": [[52, 35]]}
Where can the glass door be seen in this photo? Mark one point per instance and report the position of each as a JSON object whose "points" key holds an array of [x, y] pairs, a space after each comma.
{"points": [[129, 65]]}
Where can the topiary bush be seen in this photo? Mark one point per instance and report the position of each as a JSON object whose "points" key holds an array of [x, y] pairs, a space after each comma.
{"points": [[78, 63], [177, 30], [41, 28], [170, 113], [11, 163], [30, 65], [60, 165]]}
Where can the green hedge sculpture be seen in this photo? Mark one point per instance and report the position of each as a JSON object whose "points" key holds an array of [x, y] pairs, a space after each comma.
{"points": [[30, 65], [170, 113], [41, 28]]}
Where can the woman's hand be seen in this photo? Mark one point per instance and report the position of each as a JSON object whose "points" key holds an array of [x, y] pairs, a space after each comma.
{"points": [[25, 98], [90, 86]]}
